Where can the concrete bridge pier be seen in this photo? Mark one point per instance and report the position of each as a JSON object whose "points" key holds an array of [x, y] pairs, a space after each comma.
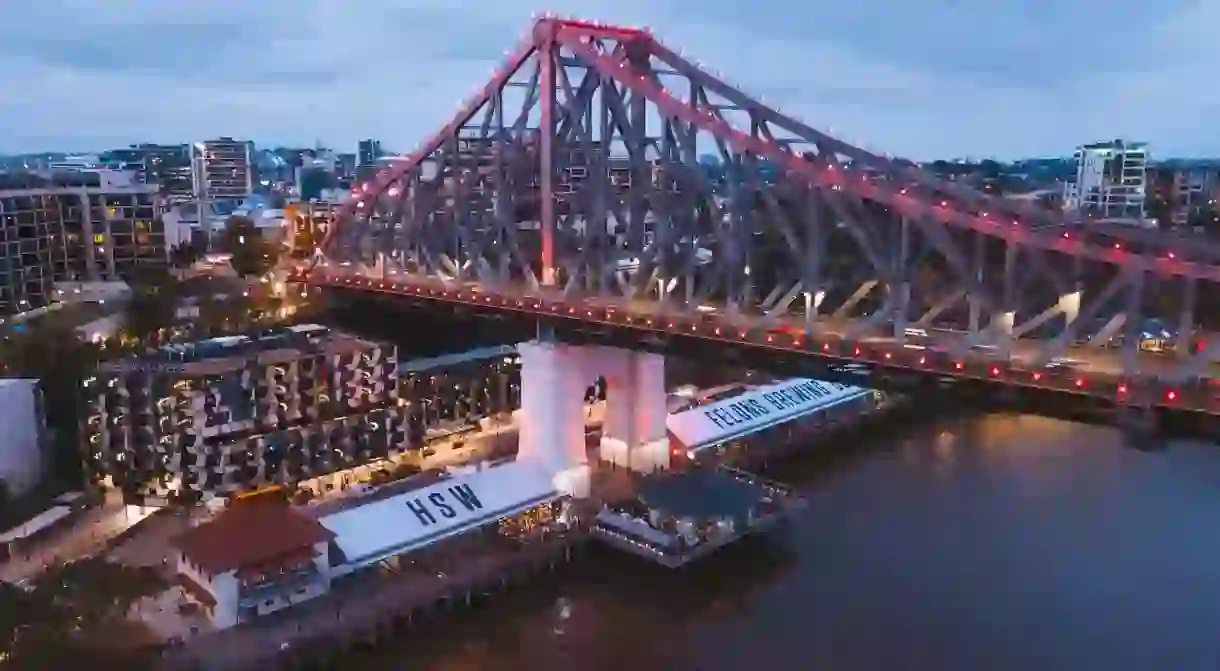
{"points": [[552, 414], [554, 377], [633, 433]]}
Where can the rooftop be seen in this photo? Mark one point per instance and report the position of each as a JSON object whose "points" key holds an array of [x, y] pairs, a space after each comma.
{"points": [[419, 517], [701, 494], [251, 533], [276, 345], [20, 180]]}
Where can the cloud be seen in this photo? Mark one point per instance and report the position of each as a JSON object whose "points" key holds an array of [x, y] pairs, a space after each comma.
{"points": [[923, 78]]}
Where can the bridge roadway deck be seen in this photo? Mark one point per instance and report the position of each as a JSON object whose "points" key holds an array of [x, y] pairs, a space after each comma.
{"points": [[1097, 372]]}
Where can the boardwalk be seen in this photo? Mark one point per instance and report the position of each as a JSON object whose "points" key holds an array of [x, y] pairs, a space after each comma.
{"points": [[359, 612]]}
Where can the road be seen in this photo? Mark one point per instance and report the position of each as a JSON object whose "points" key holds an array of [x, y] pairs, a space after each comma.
{"points": [[1092, 360]]}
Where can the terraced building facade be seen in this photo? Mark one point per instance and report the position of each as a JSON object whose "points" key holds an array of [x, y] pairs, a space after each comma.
{"points": [[242, 413]]}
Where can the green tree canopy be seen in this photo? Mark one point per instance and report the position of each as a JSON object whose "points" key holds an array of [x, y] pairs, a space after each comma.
{"points": [[251, 253], [40, 626]]}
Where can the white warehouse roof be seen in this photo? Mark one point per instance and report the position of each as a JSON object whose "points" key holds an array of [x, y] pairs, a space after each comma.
{"points": [[411, 520], [760, 408]]}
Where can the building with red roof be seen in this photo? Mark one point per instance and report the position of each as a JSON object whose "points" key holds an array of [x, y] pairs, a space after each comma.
{"points": [[254, 558]]}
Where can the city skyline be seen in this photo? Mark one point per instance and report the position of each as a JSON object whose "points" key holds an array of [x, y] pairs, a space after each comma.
{"points": [[98, 76]]}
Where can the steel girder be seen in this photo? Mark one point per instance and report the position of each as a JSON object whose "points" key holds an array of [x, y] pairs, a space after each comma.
{"points": [[577, 171]]}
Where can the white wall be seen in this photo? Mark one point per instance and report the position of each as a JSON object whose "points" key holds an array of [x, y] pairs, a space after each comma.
{"points": [[21, 423], [275, 601], [223, 589]]}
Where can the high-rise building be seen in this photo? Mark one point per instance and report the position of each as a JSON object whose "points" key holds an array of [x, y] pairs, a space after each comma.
{"points": [[1110, 180], [242, 413], [167, 166], [23, 424], [85, 225], [222, 169], [367, 152]]}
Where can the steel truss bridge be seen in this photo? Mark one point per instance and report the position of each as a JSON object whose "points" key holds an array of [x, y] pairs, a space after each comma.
{"points": [[572, 186]]}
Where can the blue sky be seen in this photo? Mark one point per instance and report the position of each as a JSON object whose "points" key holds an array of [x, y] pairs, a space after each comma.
{"points": [[921, 78]]}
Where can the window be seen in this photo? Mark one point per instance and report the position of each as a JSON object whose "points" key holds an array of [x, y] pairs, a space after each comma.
{"points": [[99, 238]]}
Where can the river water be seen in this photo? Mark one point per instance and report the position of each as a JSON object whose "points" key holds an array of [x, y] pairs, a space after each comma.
{"points": [[979, 543]]}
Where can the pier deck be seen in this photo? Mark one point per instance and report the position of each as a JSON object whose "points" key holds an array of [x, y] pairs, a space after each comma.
{"points": [[362, 612]]}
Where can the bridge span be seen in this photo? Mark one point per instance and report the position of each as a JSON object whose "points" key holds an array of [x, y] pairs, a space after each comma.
{"points": [[574, 185]]}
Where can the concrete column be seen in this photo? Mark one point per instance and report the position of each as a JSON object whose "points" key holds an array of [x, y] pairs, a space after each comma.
{"points": [[633, 434], [552, 415], [1070, 304]]}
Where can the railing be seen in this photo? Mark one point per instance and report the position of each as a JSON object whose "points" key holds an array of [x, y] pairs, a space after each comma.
{"points": [[1141, 388]]}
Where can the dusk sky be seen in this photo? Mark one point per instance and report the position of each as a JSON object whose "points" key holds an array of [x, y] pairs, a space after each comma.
{"points": [[925, 78]]}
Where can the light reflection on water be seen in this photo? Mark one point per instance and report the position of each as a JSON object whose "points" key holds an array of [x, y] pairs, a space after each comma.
{"points": [[996, 543]]}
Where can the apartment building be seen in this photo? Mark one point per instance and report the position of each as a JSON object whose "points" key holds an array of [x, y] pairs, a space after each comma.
{"points": [[90, 225], [1183, 193], [166, 166], [241, 413], [222, 169], [1110, 180]]}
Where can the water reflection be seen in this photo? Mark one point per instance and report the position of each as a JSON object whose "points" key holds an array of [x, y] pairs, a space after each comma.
{"points": [[997, 543]]}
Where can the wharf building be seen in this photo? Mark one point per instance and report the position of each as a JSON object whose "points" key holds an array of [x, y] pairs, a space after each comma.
{"points": [[288, 555], [230, 415], [703, 501], [86, 225]]}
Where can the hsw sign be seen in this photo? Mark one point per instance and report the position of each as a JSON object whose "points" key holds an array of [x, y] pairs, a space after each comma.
{"points": [[450, 503]]}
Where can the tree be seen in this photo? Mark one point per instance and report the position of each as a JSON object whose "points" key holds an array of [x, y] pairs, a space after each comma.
{"points": [[153, 304], [41, 627], [54, 353], [94, 591], [251, 253]]}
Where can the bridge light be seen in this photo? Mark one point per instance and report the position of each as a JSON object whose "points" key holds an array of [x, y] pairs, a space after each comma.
{"points": [[1171, 395]]}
